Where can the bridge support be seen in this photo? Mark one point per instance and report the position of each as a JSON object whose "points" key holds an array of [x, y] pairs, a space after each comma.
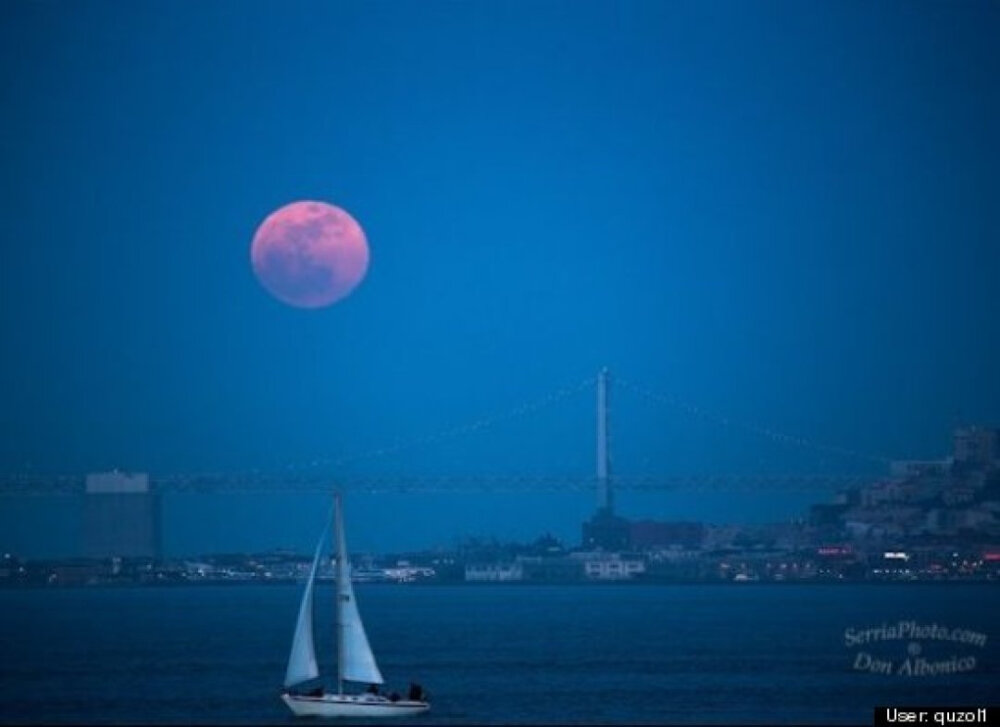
{"points": [[605, 499]]}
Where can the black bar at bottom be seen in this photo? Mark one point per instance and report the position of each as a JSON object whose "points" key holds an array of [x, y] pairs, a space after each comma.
{"points": [[937, 716]]}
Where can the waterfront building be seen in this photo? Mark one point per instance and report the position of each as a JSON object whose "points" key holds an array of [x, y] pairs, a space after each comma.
{"points": [[551, 568], [601, 566], [494, 572]]}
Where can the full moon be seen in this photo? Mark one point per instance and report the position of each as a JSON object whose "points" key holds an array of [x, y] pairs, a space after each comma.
{"points": [[309, 254]]}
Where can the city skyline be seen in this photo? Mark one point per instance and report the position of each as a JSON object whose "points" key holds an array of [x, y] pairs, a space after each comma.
{"points": [[782, 214], [921, 516], [119, 513]]}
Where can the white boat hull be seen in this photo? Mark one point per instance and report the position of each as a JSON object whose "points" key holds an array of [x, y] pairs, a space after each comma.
{"points": [[352, 705]]}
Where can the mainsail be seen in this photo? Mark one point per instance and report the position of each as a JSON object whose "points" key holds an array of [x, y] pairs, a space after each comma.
{"points": [[356, 662], [302, 661]]}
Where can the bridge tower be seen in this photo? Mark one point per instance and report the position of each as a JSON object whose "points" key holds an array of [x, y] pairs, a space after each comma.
{"points": [[605, 497], [605, 530]]}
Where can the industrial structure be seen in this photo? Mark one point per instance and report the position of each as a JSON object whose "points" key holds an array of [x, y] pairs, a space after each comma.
{"points": [[606, 531]]}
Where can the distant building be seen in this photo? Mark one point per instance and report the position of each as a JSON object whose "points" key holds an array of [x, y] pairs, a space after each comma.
{"points": [[72, 573], [826, 514], [882, 493], [958, 496], [494, 572], [600, 566], [978, 519], [721, 537], [977, 446], [551, 569], [121, 516], [606, 531], [851, 496], [905, 469]]}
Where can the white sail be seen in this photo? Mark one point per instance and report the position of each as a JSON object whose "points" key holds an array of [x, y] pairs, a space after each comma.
{"points": [[356, 662], [302, 661]]}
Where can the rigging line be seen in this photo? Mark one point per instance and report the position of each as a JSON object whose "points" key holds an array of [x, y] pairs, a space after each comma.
{"points": [[766, 432], [453, 432]]}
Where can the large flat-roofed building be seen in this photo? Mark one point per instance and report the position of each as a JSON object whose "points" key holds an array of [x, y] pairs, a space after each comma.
{"points": [[121, 516]]}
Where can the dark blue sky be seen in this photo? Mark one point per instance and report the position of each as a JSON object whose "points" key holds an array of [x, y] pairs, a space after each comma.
{"points": [[783, 212]]}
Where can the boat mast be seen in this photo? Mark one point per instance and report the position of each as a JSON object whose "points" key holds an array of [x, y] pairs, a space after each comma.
{"points": [[338, 587]]}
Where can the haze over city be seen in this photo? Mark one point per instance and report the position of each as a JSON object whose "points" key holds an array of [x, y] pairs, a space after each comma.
{"points": [[786, 220]]}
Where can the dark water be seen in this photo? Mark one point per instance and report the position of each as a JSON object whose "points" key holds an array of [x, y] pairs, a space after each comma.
{"points": [[494, 654]]}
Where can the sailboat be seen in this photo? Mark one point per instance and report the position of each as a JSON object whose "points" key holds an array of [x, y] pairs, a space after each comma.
{"points": [[355, 660]]}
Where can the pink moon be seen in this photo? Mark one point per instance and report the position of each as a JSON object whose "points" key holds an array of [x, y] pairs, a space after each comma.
{"points": [[309, 254]]}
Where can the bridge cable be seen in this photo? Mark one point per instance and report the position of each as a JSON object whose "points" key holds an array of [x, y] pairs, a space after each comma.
{"points": [[766, 432]]}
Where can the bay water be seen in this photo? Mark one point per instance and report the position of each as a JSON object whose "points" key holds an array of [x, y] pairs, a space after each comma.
{"points": [[737, 653]]}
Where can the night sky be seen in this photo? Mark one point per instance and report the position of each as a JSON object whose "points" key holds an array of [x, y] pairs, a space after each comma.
{"points": [[784, 213]]}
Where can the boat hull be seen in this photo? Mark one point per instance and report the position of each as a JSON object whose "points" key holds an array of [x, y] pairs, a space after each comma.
{"points": [[352, 705]]}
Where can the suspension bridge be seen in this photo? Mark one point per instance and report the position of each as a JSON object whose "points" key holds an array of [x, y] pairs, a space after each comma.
{"points": [[319, 474]]}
